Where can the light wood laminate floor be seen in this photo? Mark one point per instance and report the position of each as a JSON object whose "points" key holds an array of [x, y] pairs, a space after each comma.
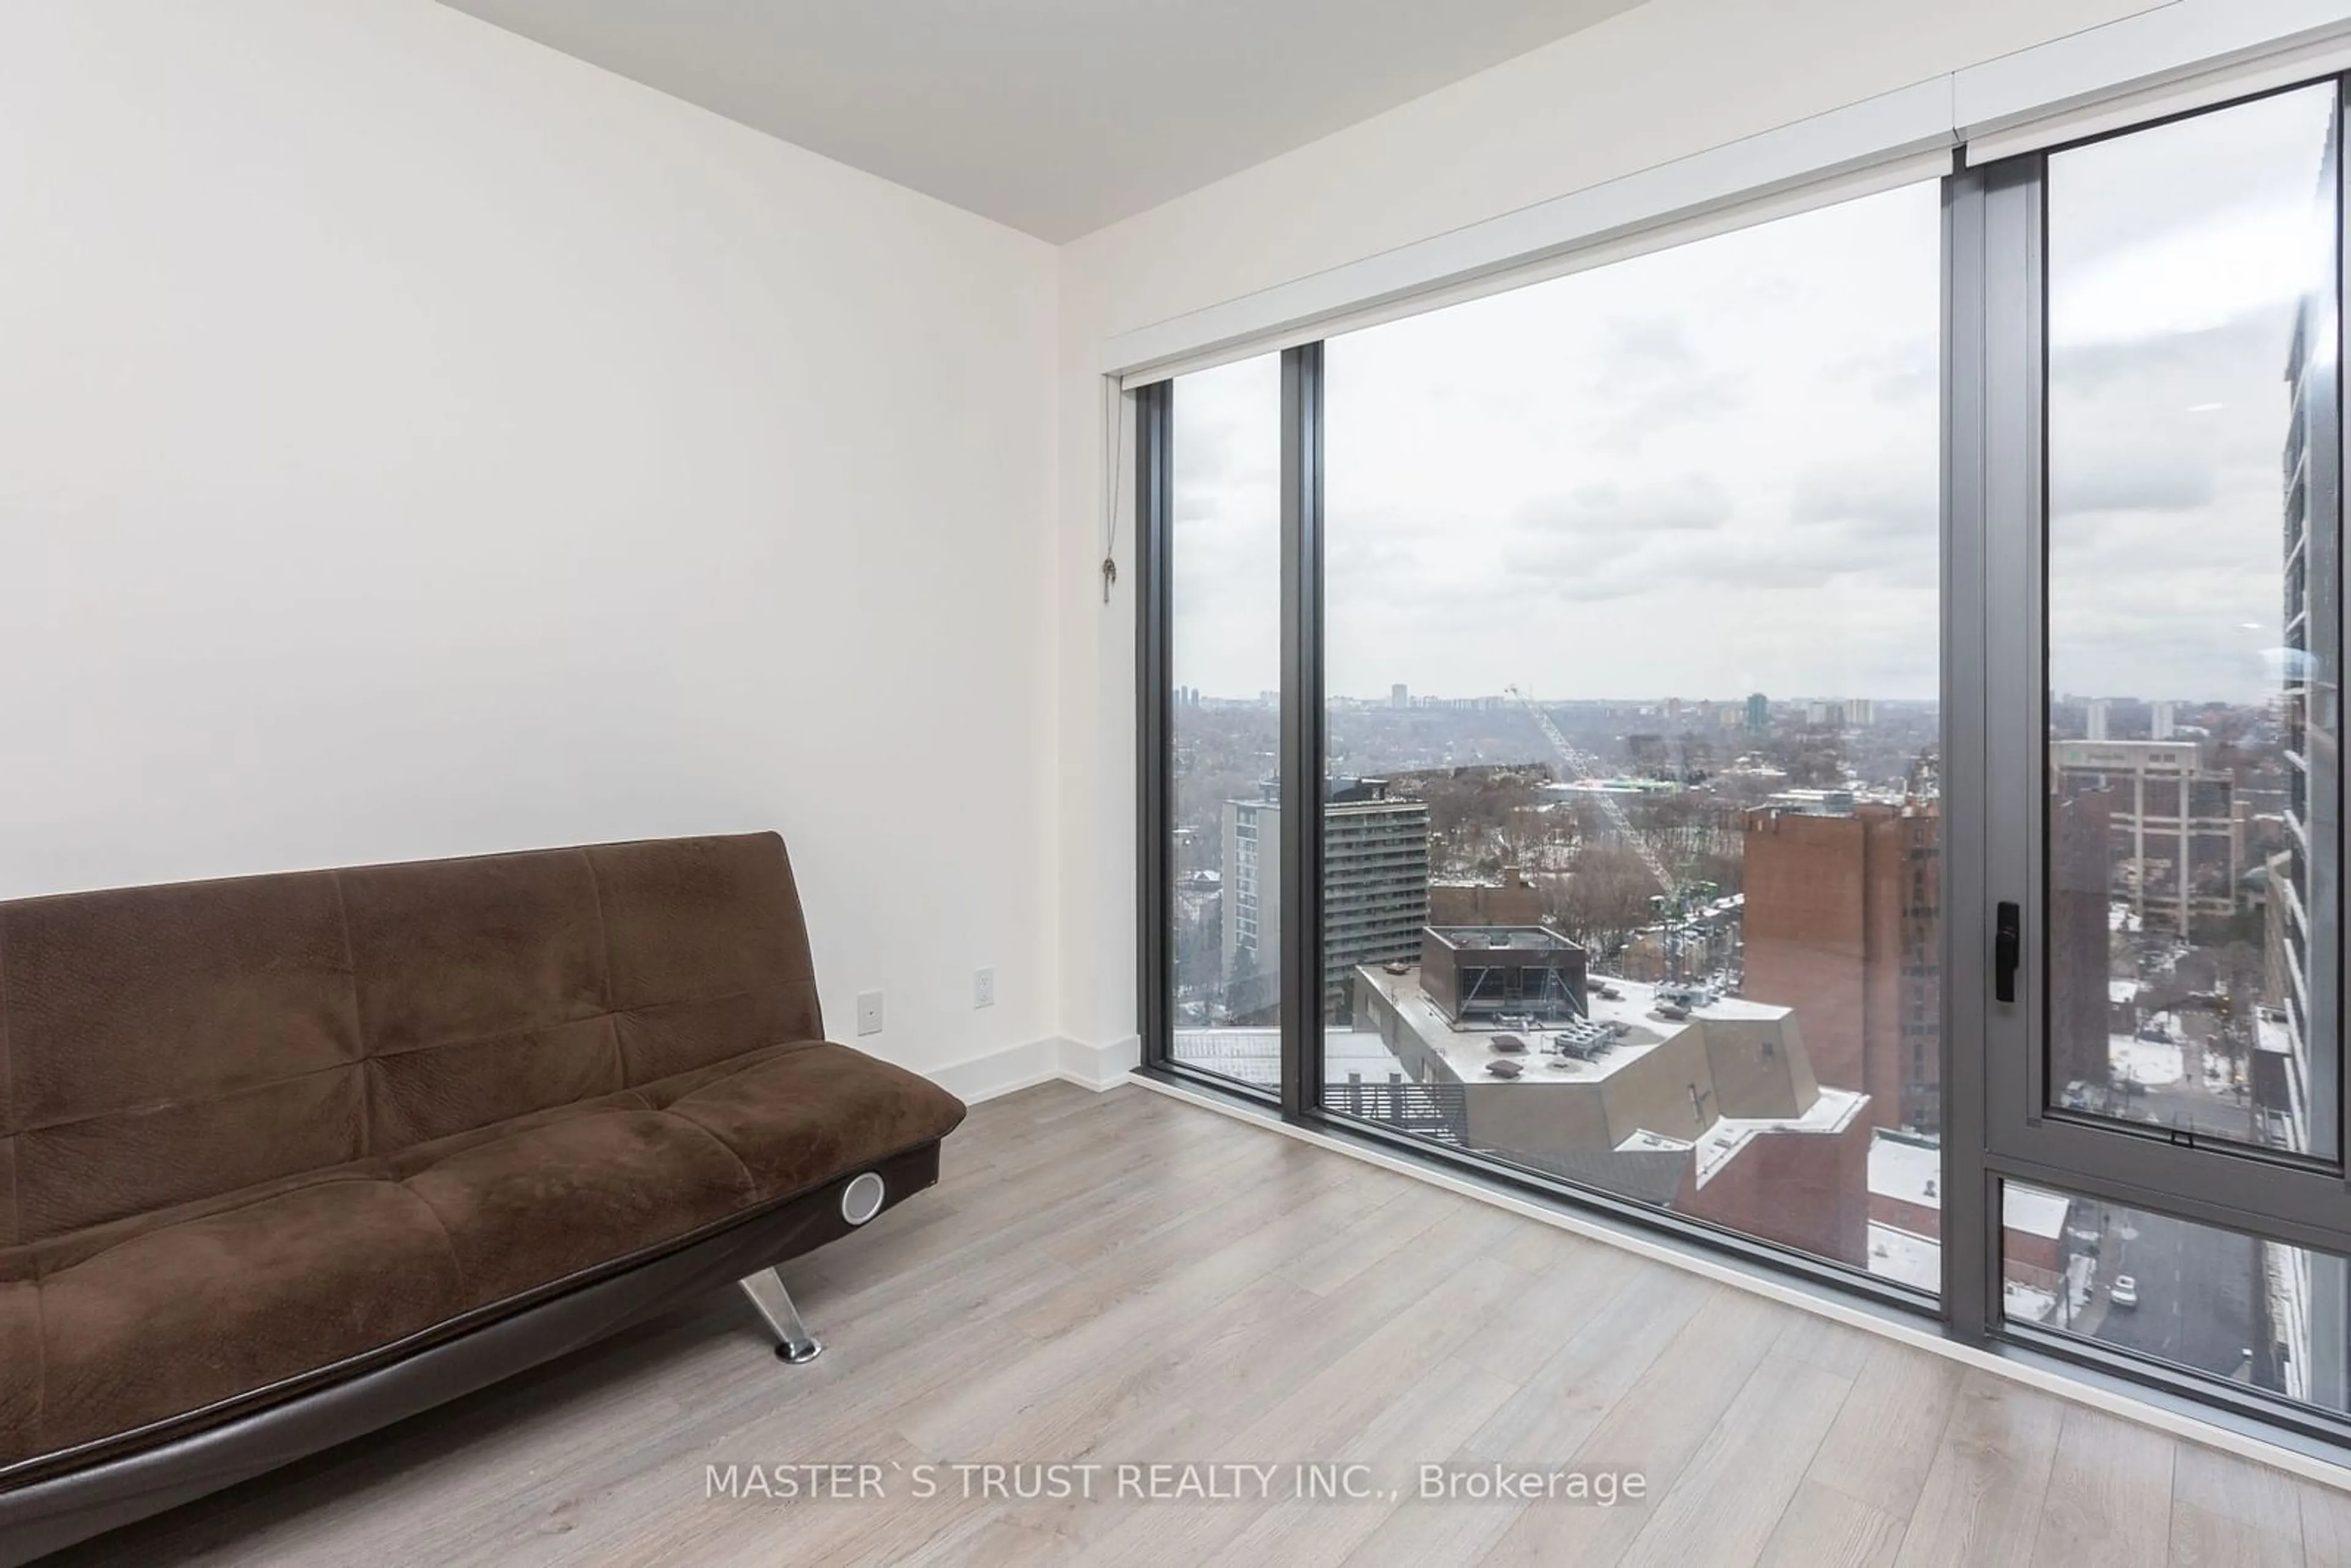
{"points": [[1121, 1277]]}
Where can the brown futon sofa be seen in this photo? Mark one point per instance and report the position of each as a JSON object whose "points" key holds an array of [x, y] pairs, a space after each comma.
{"points": [[287, 1158]]}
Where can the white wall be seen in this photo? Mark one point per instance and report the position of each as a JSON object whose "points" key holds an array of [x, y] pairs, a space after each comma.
{"points": [[1659, 82], [414, 442]]}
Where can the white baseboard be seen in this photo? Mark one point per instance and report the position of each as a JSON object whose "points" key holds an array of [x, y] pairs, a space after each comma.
{"points": [[1055, 1057], [1100, 1067]]}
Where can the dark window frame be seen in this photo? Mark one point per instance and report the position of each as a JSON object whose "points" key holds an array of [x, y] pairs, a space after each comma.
{"points": [[1994, 475]]}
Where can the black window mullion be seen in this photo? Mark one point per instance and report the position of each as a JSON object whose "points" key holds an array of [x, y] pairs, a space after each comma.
{"points": [[1154, 493], [1302, 729]]}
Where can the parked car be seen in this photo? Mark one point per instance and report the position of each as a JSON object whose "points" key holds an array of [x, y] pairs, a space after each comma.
{"points": [[2125, 1292]]}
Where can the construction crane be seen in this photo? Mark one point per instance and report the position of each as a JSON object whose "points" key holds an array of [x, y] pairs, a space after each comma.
{"points": [[1584, 767]]}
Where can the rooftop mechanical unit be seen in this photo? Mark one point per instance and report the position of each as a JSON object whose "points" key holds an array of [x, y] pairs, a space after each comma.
{"points": [[1583, 1042]]}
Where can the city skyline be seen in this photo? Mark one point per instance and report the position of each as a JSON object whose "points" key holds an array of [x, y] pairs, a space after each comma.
{"points": [[1381, 697], [1725, 455]]}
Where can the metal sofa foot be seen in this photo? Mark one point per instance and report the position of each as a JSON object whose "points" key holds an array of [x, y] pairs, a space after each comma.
{"points": [[794, 1343]]}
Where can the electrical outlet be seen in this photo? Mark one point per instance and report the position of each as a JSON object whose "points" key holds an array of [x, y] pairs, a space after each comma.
{"points": [[869, 1012], [983, 987]]}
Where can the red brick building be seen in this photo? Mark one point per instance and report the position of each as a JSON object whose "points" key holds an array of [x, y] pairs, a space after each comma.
{"points": [[1841, 926], [1513, 901], [1805, 1187]]}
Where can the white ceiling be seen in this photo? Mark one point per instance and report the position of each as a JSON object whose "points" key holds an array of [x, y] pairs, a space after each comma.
{"points": [[1053, 115]]}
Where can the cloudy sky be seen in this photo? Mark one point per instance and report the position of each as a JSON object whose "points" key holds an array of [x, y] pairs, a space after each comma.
{"points": [[1713, 470], [2179, 257]]}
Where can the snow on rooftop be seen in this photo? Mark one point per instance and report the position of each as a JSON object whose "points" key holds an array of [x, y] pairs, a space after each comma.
{"points": [[1254, 1055], [1905, 1258], [1735, 1007], [1833, 1111], [2026, 1303], [2032, 1210], [1918, 1261], [1907, 1171], [1466, 1052], [1643, 1141]]}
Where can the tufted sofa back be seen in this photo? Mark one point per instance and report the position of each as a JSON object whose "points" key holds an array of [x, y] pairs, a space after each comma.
{"points": [[160, 1045]]}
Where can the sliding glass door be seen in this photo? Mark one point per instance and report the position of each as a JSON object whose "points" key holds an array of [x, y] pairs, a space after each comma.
{"points": [[1822, 739]]}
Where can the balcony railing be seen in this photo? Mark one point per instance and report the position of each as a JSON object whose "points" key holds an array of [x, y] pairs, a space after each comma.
{"points": [[1437, 1111]]}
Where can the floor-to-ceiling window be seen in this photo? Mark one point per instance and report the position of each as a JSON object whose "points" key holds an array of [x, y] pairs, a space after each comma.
{"points": [[1630, 668], [1223, 636], [1821, 737]]}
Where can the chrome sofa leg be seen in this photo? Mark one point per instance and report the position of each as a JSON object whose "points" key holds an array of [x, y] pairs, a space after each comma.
{"points": [[794, 1343]]}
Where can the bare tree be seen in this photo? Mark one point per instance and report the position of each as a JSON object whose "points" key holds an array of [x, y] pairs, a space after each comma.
{"points": [[1604, 899]]}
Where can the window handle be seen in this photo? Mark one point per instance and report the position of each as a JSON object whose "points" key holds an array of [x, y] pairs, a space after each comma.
{"points": [[2007, 951]]}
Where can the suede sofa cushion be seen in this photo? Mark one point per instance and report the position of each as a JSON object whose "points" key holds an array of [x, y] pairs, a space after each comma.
{"points": [[117, 1325], [162, 1045]]}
